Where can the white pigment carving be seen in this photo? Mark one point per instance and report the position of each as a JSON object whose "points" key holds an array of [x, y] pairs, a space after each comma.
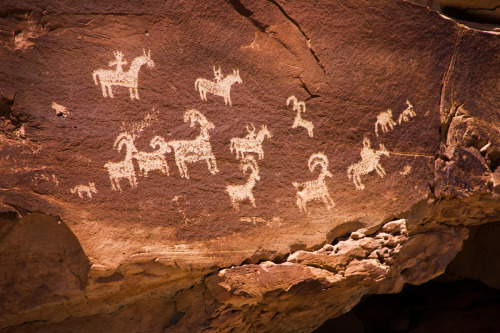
{"points": [[315, 189], [125, 168], [156, 160], [370, 160], [82, 190], [298, 121], [384, 120], [190, 151], [220, 87], [239, 193], [407, 114], [406, 170], [251, 143], [118, 77]]}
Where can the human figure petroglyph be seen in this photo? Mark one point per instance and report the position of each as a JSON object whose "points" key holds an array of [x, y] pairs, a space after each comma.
{"points": [[220, 88], [370, 160], [384, 120], [239, 193], [118, 62], [190, 151], [407, 114], [315, 189], [218, 74], [251, 143], [82, 190], [118, 77], [123, 169], [300, 107]]}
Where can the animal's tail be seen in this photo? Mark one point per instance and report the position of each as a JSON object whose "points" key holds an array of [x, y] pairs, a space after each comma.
{"points": [[197, 84], [94, 75], [73, 190]]}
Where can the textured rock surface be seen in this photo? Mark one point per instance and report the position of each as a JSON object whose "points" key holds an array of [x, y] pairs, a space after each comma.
{"points": [[400, 130]]}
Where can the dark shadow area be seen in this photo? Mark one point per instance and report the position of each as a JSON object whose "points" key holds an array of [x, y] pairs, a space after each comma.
{"points": [[466, 298]]}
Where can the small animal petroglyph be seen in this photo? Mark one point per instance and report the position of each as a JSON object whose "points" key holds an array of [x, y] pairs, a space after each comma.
{"points": [[406, 170], [251, 143], [220, 87], [239, 193], [298, 121], [384, 120], [118, 77], [156, 160], [82, 190], [123, 169], [61, 110], [315, 189], [370, 160], [190, 151], [407, 114]]}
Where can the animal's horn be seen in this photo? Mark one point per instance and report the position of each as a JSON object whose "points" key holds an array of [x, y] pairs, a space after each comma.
{"points": [[303, 104], [149, 53], [291, 99]]}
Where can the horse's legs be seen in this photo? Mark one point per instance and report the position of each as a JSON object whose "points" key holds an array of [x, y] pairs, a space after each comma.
{"points": [[110, 91], [131, 93], [380, 170], [184, 169], [252, 199], [136, 93], [103, 87]]}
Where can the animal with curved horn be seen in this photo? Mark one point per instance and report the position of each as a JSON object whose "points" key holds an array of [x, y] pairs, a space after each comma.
{"points": [[299, 121], [239, 193], [199, 149], [123, 169], [315, 189], [407, 114], [118, 77]]}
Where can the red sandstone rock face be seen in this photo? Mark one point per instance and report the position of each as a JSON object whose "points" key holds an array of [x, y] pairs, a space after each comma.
{"points": [[210, 163]]}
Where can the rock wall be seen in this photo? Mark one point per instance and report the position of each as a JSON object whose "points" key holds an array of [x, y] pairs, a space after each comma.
{"points": [[235, 165]]}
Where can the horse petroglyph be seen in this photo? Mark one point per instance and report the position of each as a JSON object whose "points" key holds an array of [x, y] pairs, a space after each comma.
{"points": [[123, 169], [315, 189], [190, 151], [220, 87], [251, 143], [239, 193], [384, 120], [61, 110], [407, 114], [118, 77], [298, 121], [82, 190], [370, 160]]}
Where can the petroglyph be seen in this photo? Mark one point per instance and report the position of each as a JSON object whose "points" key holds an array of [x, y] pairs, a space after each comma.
{"points": [[370, 160], [83, 190], [125, 168], [407, 114], [384, 120], [136, 128], [251, 143], [298, 121], [190, 151], [220, 87], [61, 110], [156, 160], [118, 77], [315, 189], [406, 170], [239, 193]]}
